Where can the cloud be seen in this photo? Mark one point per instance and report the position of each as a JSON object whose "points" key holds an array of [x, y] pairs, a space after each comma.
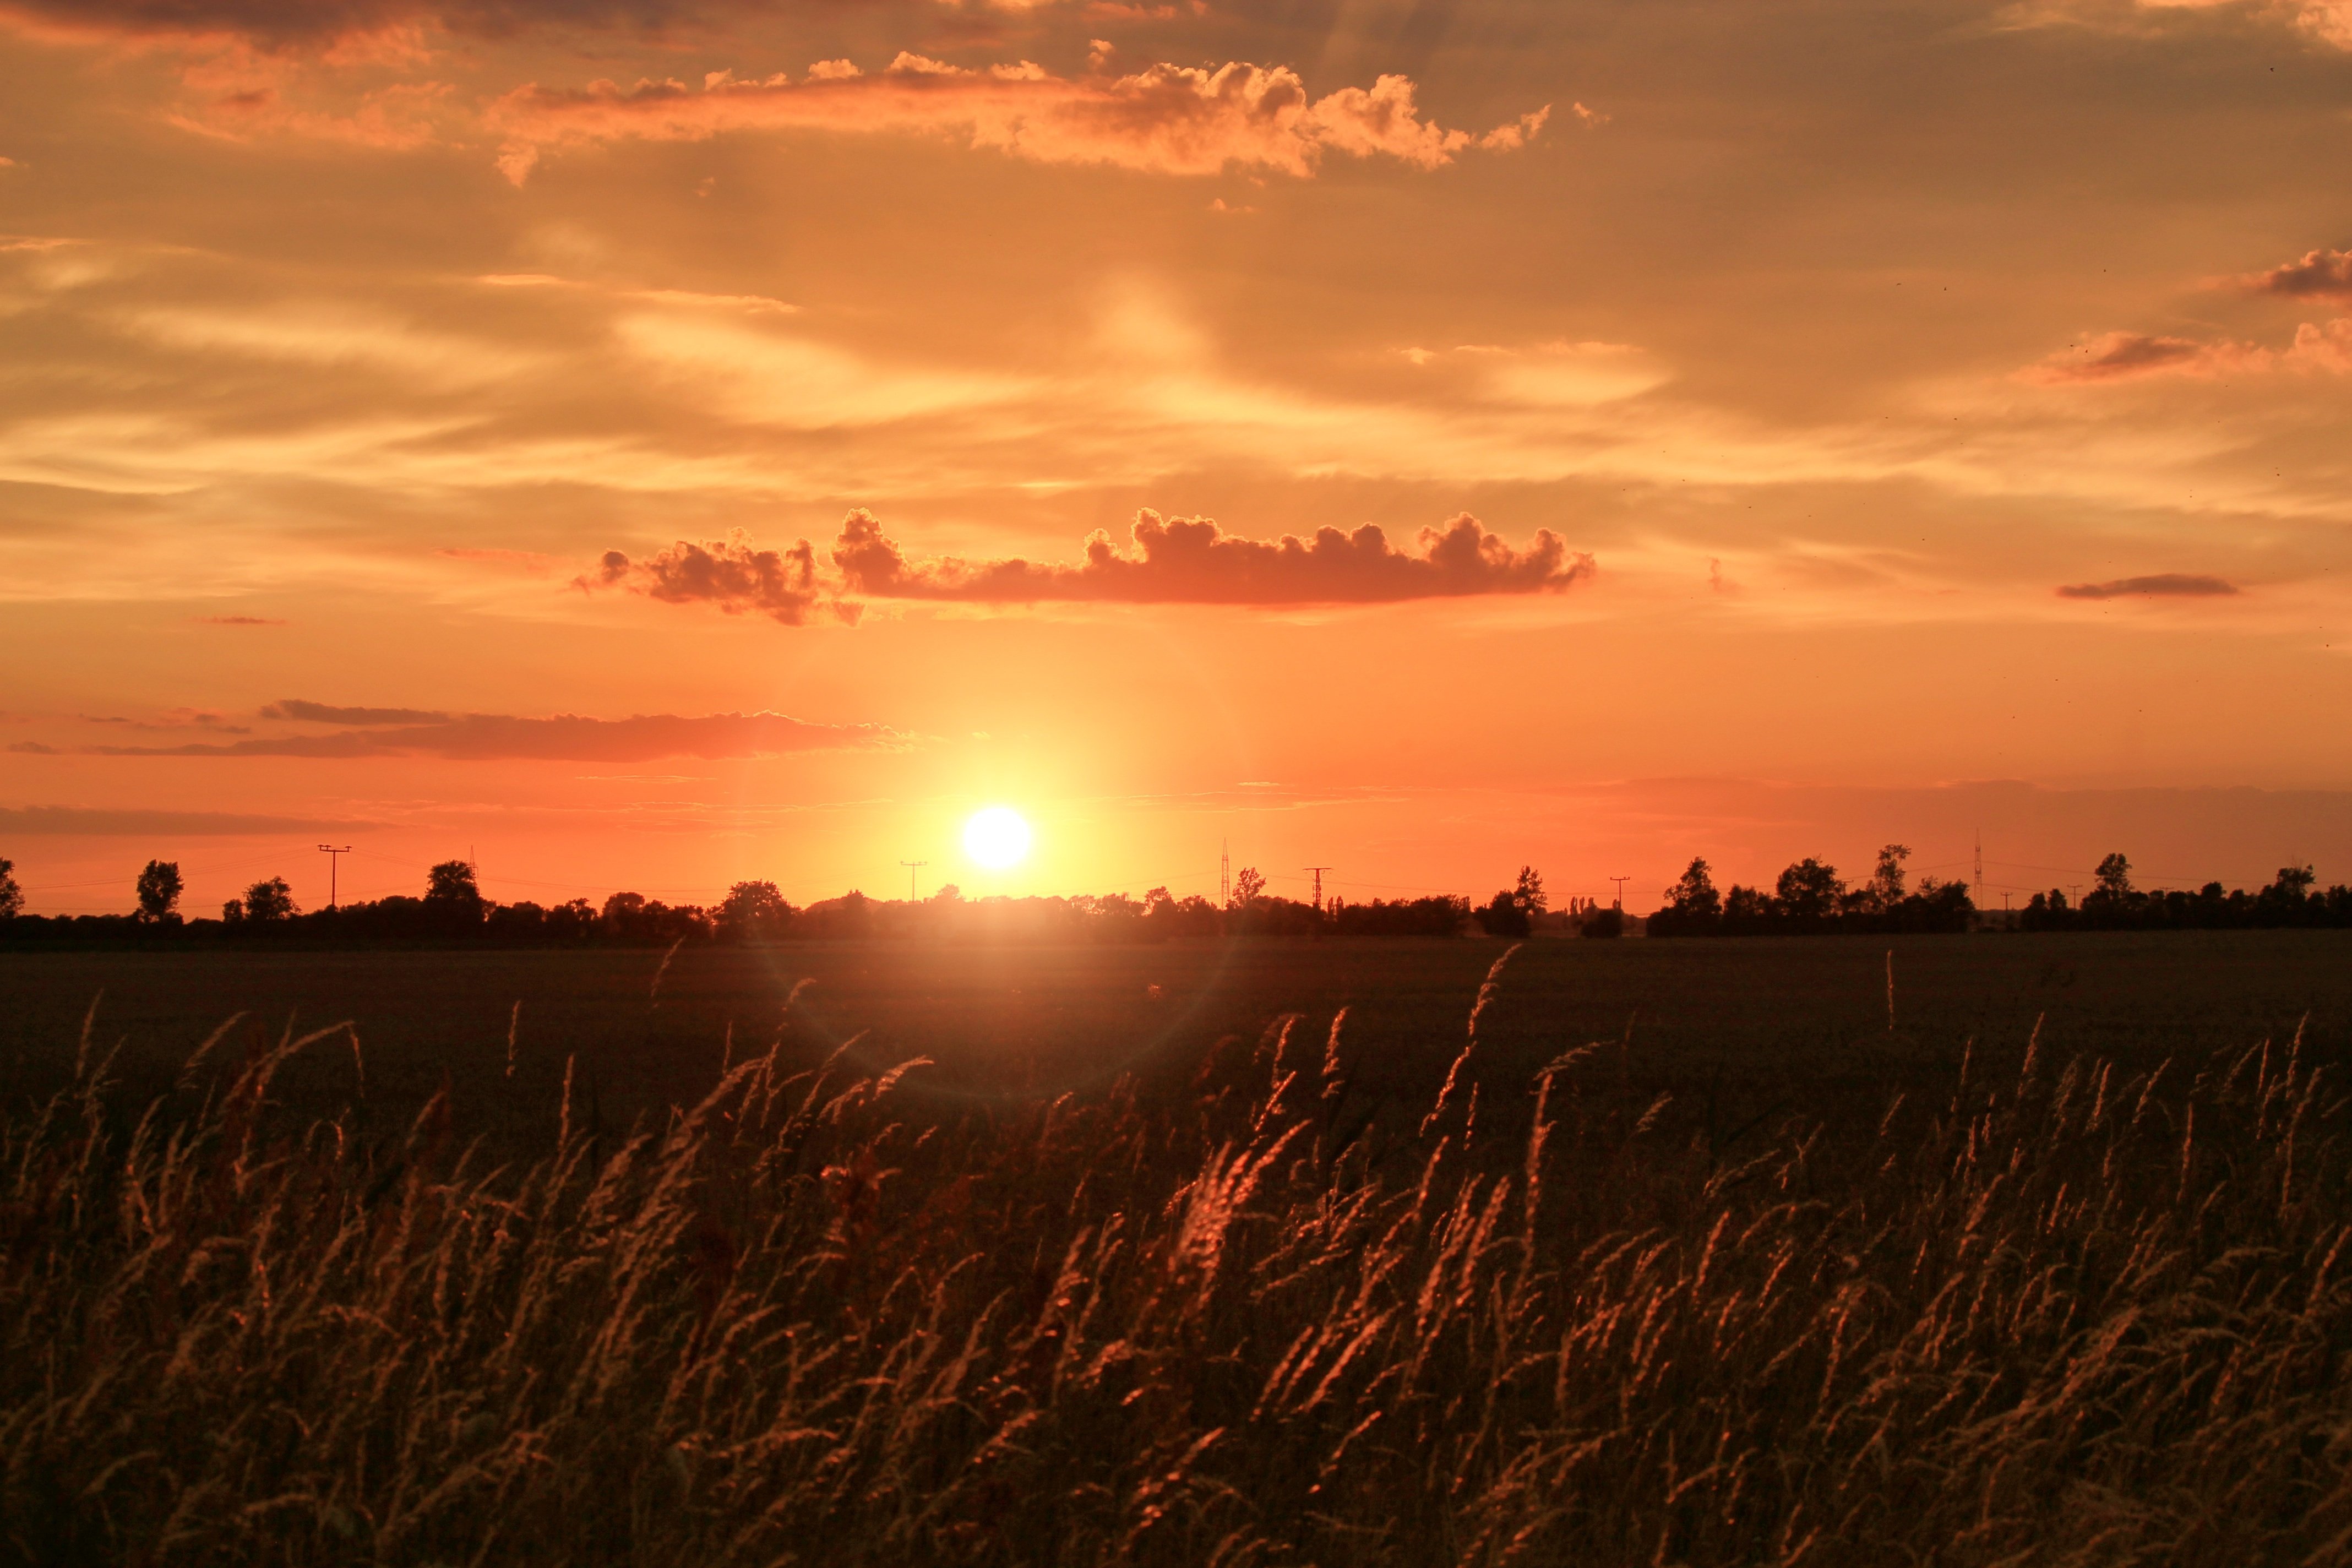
{"points": [[2330, 20], [1192, 561], [103, 822], [2129, 356], [283, 22], [296, 708], [237, 621], [2324, 347], [2163, 585], [1175, 561], [729, 573], [2318, 275], [566, 737], [1169, 119]]}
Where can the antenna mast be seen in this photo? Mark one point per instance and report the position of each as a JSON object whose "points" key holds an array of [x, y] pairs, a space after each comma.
{"points": [[1318, 871], [1979, 888]]}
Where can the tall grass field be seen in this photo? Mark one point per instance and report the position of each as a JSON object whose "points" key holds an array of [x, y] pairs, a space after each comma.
{"points": [[1307, 1292]]}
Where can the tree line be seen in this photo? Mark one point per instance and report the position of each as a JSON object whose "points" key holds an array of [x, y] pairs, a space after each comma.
{"points": [[2293, 898], [452, 910], [1808, 898], [1811, 899]]}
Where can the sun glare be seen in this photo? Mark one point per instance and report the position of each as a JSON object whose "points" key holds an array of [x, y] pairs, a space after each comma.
{"points": [[997, 837]]}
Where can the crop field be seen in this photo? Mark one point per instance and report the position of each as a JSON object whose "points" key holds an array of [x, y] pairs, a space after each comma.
{"points": [[1957, 1250]]}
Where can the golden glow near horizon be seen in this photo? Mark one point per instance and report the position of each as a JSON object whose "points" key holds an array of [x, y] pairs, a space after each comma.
{"points": [[707, 437], [997, 837]]}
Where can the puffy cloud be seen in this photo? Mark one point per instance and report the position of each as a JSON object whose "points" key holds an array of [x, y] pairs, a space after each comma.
{"points": [[2162, 585], [2324, 347], [1192, 561], [729, 573], [1169, 561], [2129, 356], [1169, 119], [2318, 275], [566, 737]]}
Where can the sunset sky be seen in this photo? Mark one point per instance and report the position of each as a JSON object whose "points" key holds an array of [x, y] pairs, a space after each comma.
{"points": [[653, 443]]}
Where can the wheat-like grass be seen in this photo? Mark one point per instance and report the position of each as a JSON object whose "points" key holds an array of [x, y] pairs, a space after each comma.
{"points": [[2080, 1316]]}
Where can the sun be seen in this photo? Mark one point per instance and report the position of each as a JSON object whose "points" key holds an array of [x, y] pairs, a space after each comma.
{"points": [[997, 837]]}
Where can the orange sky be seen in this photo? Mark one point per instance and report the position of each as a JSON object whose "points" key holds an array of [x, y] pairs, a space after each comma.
{"points": [[1788, 427]]}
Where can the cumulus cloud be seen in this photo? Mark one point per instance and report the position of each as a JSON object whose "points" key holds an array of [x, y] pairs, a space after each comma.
{"points": [[566, 737], [729, 573], [1192, 561], [2162, 585], [1168, 561], [2318, 275], [2324, 347], [1169, 119]]}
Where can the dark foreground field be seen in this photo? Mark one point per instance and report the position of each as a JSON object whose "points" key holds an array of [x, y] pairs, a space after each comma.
{"points": [[1648, 1252]]}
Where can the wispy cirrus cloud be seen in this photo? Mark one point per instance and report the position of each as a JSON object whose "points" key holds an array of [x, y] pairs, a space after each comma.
{"points": [[1168, 119], [104, 822], [285, 22], [1167, 561], [2159, 585], [565, 737], [2330, 20]]}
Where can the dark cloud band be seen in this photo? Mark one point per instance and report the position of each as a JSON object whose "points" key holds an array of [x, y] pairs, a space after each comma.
{"points": [[566, 737], [2161, 585]]}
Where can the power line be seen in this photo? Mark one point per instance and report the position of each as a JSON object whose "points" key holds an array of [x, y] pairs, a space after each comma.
{"points": [[334, 862]]}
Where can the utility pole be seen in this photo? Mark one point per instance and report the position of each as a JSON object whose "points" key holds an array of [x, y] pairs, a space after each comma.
{"points": [[1225, 872], [1621, 882], [334, 859], [1319, 871], [912, 867]]}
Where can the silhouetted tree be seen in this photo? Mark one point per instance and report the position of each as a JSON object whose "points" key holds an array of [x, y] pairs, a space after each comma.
{"points": [[1695, 894], [1248, 886], [754, 911], [2115, 880], [1503, 917], [1809, 891], [12, 897], [1886, 888], [452, 882], [1528, 895], [159, 890], [270, 899]]}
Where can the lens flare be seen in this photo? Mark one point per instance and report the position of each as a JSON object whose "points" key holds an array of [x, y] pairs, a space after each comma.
{"points": [[997, 837]]}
